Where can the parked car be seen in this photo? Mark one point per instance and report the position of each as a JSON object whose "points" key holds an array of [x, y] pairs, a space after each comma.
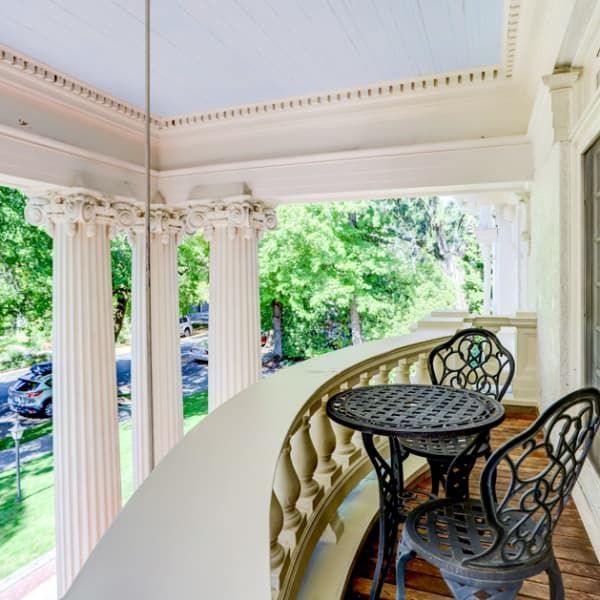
{"points": [[185, 326], [31, 394], [199, 352], [198, 314]]}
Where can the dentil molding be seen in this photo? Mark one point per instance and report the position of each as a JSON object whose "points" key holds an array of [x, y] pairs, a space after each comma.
{"points": [[28, 69]]}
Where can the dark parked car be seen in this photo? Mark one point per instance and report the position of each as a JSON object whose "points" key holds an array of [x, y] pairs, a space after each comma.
{"points": [[31, 395]]}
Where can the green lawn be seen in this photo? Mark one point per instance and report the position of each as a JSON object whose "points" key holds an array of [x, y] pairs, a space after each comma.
{"points": [[31, 433], [27, 527]]}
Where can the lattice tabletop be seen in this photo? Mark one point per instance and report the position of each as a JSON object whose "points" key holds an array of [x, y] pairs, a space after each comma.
{"points": [[407, 409]]}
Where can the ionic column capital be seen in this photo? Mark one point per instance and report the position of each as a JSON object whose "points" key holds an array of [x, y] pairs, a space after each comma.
{"points": [[240, 215], [164, 221], [77, 209]]}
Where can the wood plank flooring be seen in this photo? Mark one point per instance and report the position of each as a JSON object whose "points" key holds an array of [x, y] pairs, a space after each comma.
{"points": [[578, 563]]}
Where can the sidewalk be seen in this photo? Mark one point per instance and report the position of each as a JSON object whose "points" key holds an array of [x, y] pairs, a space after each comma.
{"points": [[35, 581]]}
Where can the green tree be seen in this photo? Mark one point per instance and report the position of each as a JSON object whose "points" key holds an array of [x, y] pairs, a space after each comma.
{"points": [[25, 268], [26, 272], [340, 273], [192, 261]]}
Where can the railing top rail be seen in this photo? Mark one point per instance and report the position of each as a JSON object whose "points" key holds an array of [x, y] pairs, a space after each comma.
{"points": [[206, 506]]}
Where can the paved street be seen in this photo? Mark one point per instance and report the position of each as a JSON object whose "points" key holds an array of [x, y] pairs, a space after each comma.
{"points": [[194, 377]]}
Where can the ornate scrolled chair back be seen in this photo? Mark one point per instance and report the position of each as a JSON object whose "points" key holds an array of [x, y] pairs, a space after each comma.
{"points": [[473, 359], [543, 464]]}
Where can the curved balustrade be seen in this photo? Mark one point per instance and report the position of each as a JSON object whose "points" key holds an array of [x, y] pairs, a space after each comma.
{"points": [[235, 510]]}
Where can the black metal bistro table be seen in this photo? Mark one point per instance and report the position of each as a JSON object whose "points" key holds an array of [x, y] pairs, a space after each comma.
{"points": [[404, 411]]}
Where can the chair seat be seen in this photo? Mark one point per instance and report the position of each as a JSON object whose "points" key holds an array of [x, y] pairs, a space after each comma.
{"points": [[451, 533], [440, 448]]}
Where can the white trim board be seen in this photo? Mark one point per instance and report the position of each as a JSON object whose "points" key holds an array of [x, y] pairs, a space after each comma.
{"points": [[586, 495]]}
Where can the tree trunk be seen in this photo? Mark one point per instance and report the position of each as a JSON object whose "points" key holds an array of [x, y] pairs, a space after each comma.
{"points": [[122, 299], [450, 261], [276, 309], [355, 325]]}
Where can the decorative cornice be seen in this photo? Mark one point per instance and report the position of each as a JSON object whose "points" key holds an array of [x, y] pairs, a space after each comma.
{"points": [[240, 215], [386, 90], [70, 85], [377, 92], [511, 30], [372, 93]]}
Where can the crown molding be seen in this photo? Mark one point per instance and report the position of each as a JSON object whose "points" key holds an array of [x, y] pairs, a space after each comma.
{"points": [[31, 69], [372, 94], [358, 95], [512, 11]]}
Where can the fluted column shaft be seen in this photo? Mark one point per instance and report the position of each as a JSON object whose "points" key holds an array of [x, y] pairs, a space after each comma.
{"points": [[232, 227], [234, 327], [86, 451], [154, 435]]}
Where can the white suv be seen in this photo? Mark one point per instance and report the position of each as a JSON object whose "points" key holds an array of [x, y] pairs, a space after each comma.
{"points": [[185, 326]]}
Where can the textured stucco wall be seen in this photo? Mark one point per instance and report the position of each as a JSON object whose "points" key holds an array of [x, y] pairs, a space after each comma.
{"points": [[545, 254]]}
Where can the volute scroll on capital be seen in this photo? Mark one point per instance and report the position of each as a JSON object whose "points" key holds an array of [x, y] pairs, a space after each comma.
{"points": [[164, 221], [246, 217], [76, 210]]}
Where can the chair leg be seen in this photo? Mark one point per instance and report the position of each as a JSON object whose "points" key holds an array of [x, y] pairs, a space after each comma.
{"points": [[487, 455], [557, 590], [492, 591], [405, 553], [438, 475]]}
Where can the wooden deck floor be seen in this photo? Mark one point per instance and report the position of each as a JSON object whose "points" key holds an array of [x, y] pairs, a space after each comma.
{"points": [[578, 563]]}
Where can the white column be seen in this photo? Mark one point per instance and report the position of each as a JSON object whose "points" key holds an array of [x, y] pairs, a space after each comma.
{"points": [[232, 227], [151, 443], [526, 297], [486, 234], [86, 450], [506, 261]]}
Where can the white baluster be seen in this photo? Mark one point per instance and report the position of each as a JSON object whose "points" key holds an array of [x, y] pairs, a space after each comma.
{"points": [[422, 373], [382, 376], [357, 435], [279, 556], [287, 489], [323, 436], [304, 458], [403, 371], [346, 453]]}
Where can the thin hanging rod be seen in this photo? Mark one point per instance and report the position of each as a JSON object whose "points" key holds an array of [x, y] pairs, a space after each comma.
{"points": [[148, 233]]}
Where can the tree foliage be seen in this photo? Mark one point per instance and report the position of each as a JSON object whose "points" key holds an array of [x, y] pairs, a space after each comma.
{"points": [[331, 274], [25, 268], [192, 260], [371, 266], [26, 273]]}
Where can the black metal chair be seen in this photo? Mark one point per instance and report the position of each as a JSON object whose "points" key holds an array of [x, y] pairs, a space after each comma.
{"points": [[472, 359], [486, 549]]}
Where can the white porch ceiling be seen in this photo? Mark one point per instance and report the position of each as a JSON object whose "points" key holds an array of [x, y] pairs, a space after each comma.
{"points": [[210, 54]]}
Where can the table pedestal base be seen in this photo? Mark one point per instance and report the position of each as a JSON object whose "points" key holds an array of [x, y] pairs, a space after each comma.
{"points": [[391, 501]]}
